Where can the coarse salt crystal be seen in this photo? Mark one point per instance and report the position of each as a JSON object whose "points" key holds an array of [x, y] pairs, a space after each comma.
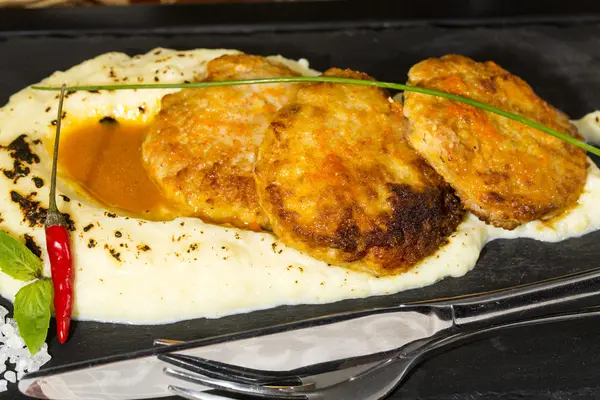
{"points": [[15, 342], [12, 323], [10, 376], [7, 330], [13, 350]]}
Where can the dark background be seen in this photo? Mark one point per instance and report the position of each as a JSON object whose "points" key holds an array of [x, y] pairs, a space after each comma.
{"points": [[555, 46]]}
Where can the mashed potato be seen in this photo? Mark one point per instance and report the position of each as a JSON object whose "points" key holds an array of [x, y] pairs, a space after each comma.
{"points": [[138, 271]]}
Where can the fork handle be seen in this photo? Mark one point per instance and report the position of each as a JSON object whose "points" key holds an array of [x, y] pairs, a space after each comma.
{"points": [[529, 301]]}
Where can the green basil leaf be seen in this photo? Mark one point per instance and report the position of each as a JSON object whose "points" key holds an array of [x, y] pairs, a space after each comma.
{"points": [[18, 261], [33, 303]]}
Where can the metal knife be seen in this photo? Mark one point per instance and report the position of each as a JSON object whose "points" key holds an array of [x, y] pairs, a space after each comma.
{"points": [[315, 346]]}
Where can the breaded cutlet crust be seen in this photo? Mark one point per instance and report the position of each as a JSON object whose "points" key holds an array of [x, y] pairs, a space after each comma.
{"points": [[201, 148], [503, 171], [338, 181]]}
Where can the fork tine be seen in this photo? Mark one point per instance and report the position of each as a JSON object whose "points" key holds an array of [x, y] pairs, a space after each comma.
{"points": [[219, 370], [195, 394], [275, 392]]}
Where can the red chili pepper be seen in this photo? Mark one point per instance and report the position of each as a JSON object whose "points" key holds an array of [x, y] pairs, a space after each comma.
{"points": [[59, 248]]}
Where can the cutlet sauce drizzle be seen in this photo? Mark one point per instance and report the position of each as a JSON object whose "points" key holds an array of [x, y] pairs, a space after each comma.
{"points": [[104, 159]]}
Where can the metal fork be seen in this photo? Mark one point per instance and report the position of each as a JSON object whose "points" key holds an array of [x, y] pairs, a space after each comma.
{"points": [[372, 381], [311, 357], [373, 376]]}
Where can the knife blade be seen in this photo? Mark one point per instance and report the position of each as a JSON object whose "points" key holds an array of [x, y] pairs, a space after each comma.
{"points": [[312, 346], [307, 347]]}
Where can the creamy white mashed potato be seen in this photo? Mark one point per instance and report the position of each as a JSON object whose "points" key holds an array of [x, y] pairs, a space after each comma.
{"points": [[589, 127], [134, 271]]}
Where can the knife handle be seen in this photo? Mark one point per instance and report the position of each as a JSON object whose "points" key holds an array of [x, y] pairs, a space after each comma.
{"points": [[539, 299]]}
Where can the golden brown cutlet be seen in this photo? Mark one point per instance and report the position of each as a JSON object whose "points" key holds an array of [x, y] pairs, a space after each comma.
{"points": [[201, 148], [503, 171], [338, 181]]}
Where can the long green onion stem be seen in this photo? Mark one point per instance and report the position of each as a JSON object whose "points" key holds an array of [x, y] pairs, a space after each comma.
{"points": [[387, 85]]}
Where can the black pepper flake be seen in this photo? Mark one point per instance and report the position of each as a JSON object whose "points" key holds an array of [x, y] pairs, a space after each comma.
{"points": [[141, 109], [108, 121], [115, 254], [63, 115], [32, 245], [18, 171], [157, 52], [118, 234], [93, 91], [53, 122], [88, 227], [156, 79], [112, 73], [186, 82], [110, 215], [38, 182], [91, 243], [143, 247], [193, 247], [65, 198], [21, 154], [48, 109], [33, 214]]}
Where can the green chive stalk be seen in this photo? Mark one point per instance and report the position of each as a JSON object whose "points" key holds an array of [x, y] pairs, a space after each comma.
{"points": [[386, 85]]}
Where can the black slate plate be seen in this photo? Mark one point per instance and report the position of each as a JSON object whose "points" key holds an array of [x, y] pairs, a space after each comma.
{"points": [[559, 57]]}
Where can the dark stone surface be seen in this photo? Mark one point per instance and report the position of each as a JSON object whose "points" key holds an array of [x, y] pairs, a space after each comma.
{"points": [[561, 62]]}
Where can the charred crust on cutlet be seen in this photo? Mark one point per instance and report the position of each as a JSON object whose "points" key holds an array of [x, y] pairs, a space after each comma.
{"points": [[495, 197], [419, 223], [279, 125]]}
